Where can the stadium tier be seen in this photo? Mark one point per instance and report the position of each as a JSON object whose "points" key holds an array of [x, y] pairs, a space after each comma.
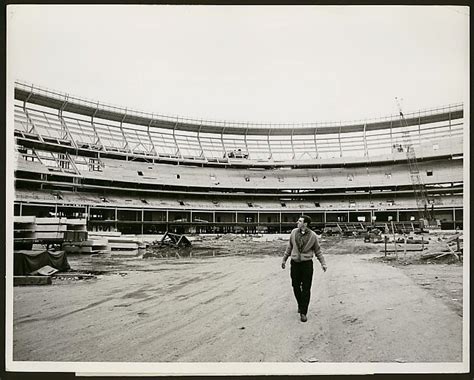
{"points": [[137, 172]]}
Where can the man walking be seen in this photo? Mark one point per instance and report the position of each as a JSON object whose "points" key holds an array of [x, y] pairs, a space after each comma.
{"points": [[301, 247]]}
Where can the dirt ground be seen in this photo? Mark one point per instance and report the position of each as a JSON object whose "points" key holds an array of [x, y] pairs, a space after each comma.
{"points": [[228, 300]]}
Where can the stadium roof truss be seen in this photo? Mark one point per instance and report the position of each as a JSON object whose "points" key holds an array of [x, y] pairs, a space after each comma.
{"points": [[47, 116]]}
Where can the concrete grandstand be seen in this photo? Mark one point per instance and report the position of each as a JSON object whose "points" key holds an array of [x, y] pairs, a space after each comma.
{"points": [[145, 173]]}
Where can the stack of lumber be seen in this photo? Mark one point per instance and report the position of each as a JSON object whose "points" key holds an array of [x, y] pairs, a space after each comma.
{"points": [[126, 245], [31, 229], [50, 229], [87, 246], [94, 242], [119, 244], [24, 227], [24, 232], [76, 230]]}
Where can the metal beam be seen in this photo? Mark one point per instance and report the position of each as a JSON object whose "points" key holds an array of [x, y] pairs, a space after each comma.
{"points": [[316, 142], [33, 127], [245, 140], [339, 137], [126, 146], [98, 141], [153, 149], [292, 147], [269, 145], [199, 140], [67, 132], [391, 136], [177, 151], [366, 151], [222, 141]]}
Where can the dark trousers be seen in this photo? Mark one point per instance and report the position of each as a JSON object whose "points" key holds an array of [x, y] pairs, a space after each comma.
{"points": [[301, 279]]}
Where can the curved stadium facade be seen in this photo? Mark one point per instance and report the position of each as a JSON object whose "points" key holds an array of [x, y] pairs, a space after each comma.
{"points": [[143, 173]]}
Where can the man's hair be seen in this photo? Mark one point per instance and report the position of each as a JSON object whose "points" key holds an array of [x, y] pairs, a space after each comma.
{"points": [[306, 219]]}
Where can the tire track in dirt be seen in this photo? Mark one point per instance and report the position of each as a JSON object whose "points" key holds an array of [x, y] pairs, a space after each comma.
{"points": [[239, 309]]}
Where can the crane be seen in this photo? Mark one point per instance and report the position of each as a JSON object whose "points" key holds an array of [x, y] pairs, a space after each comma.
{"points": [[418, 186]]}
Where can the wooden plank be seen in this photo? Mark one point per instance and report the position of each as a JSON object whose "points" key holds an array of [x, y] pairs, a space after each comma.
{"points": [[49, 235], [76, 227], [408, 250], [71, 249], [123, 245], [25, 219], [51, 228], [123, 240], [105, 233], [126, 253], [24, 234], [99, 249], [87, 243], [76, 222], [51, 220], [31, 280], [94, 243]]}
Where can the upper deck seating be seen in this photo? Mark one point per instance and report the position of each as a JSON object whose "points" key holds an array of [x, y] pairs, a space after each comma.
{"points": [[432, 172]]}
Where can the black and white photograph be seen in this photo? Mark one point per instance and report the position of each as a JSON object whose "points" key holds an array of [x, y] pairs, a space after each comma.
{"points": [[237, 190]]}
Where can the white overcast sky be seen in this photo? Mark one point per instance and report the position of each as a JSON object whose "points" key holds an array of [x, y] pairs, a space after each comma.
{"points": [[255, 63]]}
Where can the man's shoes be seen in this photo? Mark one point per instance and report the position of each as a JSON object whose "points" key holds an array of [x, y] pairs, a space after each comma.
{"points": [[303, 317]]}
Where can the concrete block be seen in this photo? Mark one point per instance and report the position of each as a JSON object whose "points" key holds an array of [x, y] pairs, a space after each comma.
{"points": [[31, 280]]}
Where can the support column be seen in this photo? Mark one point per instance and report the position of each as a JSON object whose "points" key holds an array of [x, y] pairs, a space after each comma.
{"points": [[222, 141], [419, 129], [177, 152], [391, 137], [280, 222], [269, 145], [126, 146], [292, 145], [97, 138], [66, 132], [199, 140], [316, 142], [366, 150], [149, 136], [450, 133], [32, 128], [340, 145], [245, 140]]}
